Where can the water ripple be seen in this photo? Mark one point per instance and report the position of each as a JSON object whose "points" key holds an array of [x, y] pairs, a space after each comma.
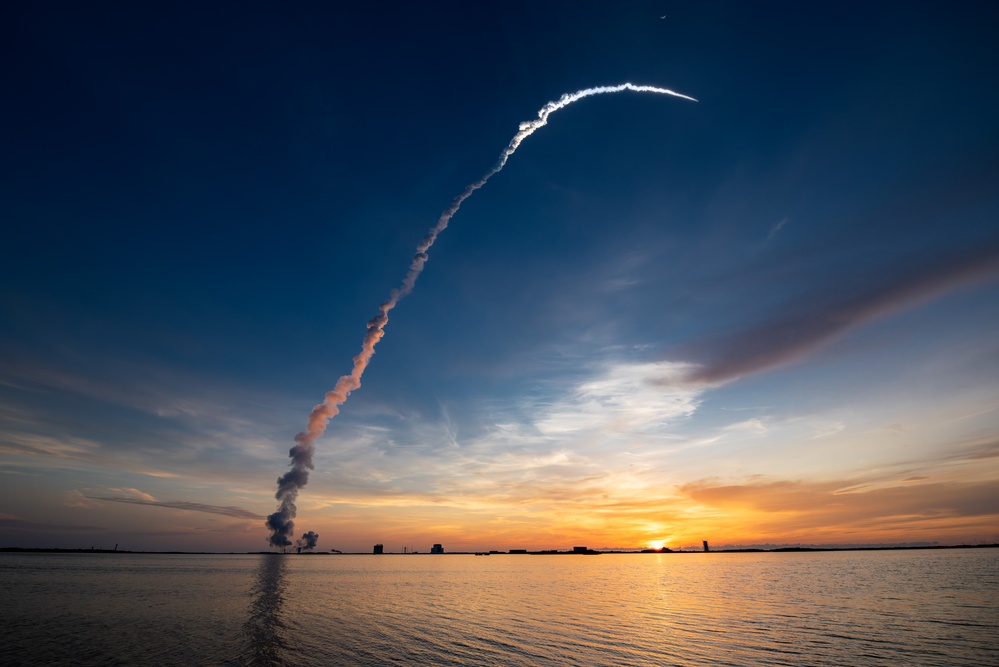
{"points": [[826, 609]]}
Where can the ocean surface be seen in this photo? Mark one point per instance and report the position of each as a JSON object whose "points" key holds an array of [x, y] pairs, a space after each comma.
{"points": [[938, 607]]}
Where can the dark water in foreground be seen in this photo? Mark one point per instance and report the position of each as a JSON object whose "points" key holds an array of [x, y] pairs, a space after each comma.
{"points": [[825, 608]]}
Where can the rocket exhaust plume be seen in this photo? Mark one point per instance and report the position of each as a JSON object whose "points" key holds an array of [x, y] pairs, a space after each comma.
{"points": [[281, 522], [308, 541]]}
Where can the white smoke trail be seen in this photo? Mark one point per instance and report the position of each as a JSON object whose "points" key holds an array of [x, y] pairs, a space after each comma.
{"points": [[281, 522]]}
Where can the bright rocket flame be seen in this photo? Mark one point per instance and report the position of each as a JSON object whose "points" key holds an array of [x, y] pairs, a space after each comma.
{"points": [[281, 523]]}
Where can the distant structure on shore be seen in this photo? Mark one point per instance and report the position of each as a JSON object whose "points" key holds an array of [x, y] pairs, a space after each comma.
{"points": [[379, 549], [437, 549], [586, 551], [705, 543]]}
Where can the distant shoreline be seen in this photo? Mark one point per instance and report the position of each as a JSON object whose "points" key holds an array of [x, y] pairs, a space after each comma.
{"points": [[496, 553]]}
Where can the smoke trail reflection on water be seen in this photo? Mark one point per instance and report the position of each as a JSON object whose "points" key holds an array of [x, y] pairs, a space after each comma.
{"points": [[264, 627]]}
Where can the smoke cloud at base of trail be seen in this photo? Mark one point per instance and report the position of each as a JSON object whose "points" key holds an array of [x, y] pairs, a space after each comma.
{"points": [[281, 523], [308, 541]]}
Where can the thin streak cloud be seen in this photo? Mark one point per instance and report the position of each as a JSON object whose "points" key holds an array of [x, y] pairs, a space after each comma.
{"points": [[228, 510], [776, 228], [807, 325]]}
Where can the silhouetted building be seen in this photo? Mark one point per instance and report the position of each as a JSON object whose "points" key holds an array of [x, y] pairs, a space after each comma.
{"points": [[579, 550], [379, 549], [706, 545], [518, 551], [437, 549]]}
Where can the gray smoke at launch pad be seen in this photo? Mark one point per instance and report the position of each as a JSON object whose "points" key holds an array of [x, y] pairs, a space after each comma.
{"points": [[308, 541]]}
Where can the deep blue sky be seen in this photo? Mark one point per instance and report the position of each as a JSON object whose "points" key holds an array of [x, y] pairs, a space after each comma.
{"points": [[203, 205]]}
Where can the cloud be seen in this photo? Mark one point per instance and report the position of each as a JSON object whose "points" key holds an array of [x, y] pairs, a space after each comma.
{"points": [[595, 433], [776, 228], [224, 455], [625, 398], [827, 429], [142, 419], [982, 451], [172, 398], [76, 498], [810, 323], [797, 505], [77, 449], [618, 284], [971, 454], [225, 510]]}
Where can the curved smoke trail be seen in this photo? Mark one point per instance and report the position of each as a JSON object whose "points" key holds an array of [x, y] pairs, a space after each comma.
{"points": [[281, 522]]}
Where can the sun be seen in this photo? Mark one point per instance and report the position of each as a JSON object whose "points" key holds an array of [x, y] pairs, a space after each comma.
{"points": [[657, 544]]}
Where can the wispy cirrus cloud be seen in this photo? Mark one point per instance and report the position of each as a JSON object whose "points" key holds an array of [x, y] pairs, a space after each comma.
{"points": [[625, 398], [572, 431], [776, 228], [67, 448], [159, 391]]}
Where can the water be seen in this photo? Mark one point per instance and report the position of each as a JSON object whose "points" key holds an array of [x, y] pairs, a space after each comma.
{"points": [[824, 608]]}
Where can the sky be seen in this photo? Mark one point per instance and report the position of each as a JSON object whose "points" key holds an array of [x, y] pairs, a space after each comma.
{"points": [[770, 316]]}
